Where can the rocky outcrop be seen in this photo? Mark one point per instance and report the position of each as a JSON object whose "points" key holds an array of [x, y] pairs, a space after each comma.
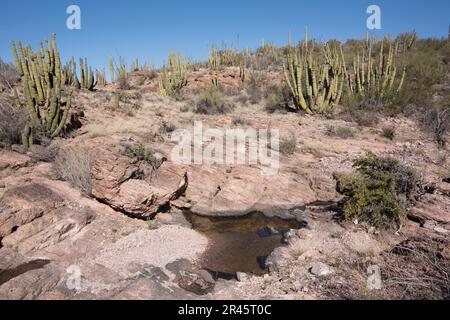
{"points": [[23, 204], [48, 230], [123, 183], [237, 191]]}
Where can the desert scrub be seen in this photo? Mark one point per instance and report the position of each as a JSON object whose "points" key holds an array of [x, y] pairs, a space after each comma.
{"points": [[8, 75], [166, 127], [437, 121], [211, 101], [276, 99], [379, 193], [12, 122], [388, 133], [288, 146], [340, 132], [240, 121], [142, 153], [73, 164]]}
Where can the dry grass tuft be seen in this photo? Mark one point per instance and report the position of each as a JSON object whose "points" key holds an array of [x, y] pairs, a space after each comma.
{"points": [[73, 164]]}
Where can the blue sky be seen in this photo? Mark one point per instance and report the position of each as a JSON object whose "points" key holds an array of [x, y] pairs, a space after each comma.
{"points": [[149, 29]]}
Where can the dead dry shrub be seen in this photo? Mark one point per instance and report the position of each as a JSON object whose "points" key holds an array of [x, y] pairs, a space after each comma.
{"points": [[211, 101], [8, 75], [73, 164], [419, 269], [12, 123], [437, 121]]}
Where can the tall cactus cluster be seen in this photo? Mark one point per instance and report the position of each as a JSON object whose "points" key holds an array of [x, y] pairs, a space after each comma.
{"points": [[242, 72], [122, 70], [214, 63], [135, 66], [376, 77], [315, 85], [101, 77], [86, 75], [87, 79], [70, 74], [42, 78], [173, 77], [118, 71]]}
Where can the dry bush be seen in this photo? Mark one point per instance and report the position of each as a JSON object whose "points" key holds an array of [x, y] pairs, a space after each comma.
{"points": [[419, 269], [8, 75], [288, 146], [276, 98], [211, 102], [167, 127], [73, 164], [123, 83], [240, 121], [12, 123], [388, 133], [437, 121], [340, 132]]}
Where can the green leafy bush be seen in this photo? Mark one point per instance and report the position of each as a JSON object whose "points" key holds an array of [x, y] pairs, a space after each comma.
{"points": [[380, 191], [142, 153]]}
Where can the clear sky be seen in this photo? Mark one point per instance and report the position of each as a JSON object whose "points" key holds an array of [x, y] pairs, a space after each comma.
{"points": [[149, 29]]}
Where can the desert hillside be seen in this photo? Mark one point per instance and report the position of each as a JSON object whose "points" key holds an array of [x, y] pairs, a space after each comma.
{"points": [[93, 204]]}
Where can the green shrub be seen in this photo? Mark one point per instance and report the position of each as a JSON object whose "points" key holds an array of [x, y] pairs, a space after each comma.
{"points": [[379, 193], [142, 153]]}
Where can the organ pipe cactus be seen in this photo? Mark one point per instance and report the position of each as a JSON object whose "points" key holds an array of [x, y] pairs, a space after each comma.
{"points": [[101, 77], [376, 76], [214, 63], [111, 69], [173, 77], [242, 73], [316, 86], [87, 75], [42, 78]]}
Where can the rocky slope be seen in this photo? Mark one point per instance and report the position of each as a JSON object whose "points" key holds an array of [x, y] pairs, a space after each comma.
{"points": [[57, 243]]}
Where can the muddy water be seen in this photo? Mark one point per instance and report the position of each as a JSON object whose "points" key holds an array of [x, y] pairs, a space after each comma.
{"points": [[240, 244]]}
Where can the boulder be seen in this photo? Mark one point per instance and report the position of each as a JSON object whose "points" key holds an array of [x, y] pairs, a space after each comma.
{"points": [[321, 269], [279, 259], [221, 191], [120, 182]]}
